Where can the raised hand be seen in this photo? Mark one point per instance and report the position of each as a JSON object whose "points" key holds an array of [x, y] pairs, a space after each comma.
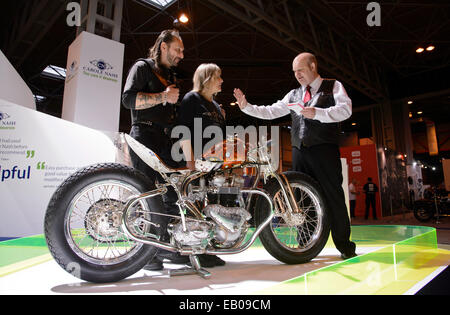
{"points": [[240, 98]]}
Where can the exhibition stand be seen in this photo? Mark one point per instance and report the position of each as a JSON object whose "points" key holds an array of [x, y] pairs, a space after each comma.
{"points": [[38, 152]]}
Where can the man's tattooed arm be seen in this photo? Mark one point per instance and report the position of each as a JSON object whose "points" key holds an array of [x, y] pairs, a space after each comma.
{"points": [[149, 100]]}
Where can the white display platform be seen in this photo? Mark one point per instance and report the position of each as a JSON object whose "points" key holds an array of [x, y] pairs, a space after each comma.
{"points": [[244, 273]]}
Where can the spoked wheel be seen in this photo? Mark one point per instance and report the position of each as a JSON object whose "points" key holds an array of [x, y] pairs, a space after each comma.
{"points": [[93, 222], [295, 238], [83, 223], [423, 213]]}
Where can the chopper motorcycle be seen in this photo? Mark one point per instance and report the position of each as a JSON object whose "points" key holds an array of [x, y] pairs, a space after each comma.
{"points": [[99, 223]]}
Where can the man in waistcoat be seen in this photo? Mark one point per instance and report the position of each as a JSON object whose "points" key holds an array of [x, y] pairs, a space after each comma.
{"points": [[314, 136], [151, 93]]}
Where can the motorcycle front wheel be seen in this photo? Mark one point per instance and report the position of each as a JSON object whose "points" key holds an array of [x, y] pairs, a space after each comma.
{"points": [[83, 223], [294, 238]]}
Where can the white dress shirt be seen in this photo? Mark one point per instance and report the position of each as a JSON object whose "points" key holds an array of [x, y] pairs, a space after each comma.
{"points": [[340, 112]]}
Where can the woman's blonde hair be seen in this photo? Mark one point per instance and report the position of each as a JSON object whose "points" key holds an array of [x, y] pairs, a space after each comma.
{"points": [[204, 73]]}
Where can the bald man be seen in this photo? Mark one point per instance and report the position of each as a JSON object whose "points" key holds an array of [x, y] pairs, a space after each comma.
{"points": [[314, 136]]}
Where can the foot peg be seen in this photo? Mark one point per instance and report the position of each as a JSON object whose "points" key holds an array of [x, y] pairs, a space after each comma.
{"points": [[196, 269]]}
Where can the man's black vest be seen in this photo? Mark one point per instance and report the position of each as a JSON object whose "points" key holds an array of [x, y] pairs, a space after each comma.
{"points": [[162, 115], [310, 132]]}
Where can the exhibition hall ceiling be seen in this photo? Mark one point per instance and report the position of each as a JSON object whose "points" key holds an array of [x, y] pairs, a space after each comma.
{"points": [[254, 42]]}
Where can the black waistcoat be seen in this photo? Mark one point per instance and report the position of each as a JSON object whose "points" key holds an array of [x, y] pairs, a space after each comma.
{"points": [[310, 132], [160, 114]]}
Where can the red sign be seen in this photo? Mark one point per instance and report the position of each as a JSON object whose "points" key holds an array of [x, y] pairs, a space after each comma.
{"points": [[362, 163]]}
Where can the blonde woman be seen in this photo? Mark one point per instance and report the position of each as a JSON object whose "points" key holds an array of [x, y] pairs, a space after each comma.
{"points": [[200, 103], [199, 106]]}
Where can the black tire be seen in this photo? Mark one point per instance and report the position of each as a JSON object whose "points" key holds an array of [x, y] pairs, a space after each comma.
{"points": [[423, 212], [297, 253], [55, 225]]}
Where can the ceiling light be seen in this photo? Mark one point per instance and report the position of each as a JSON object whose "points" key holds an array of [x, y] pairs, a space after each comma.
{"points": [[354, 124], [430, 48], [183, 18], [419, 113], [410, 102], [419, 50]]}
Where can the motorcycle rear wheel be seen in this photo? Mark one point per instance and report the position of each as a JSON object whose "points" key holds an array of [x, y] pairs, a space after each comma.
{"points": [[82, 223], [298, 238]]}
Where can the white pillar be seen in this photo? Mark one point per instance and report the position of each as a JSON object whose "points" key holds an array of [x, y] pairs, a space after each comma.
{"points": [[92, 92]]}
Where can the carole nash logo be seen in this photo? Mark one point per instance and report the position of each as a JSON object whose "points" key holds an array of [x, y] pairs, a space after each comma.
{"points": [[100, 69], [6, 122]]}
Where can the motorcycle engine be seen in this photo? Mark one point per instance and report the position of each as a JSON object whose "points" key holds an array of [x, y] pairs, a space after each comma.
{"points": [[228, 219], [226, 208], [230, 223], [197, 233]]}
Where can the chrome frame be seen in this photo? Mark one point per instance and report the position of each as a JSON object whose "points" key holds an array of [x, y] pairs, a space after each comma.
{"points": [[264, 160], [190, 251]]}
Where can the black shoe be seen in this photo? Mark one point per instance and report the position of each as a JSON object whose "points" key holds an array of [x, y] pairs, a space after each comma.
{"points": [[218, 260], [209, 261], [154, 265], [346, 256], [174, 258]]}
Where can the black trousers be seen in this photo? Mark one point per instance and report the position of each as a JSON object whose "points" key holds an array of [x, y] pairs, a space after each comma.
{"points": [[370, 201], [322, 162], [352, 208], [155, 139]]}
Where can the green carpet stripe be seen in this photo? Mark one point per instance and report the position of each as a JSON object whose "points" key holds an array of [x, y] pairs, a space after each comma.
{"points": [[17, 250]]}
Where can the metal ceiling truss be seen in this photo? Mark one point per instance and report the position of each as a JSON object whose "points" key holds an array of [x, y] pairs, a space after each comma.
{"points": [[433, 19], [107, 22], [37, 18], [296, 26]]}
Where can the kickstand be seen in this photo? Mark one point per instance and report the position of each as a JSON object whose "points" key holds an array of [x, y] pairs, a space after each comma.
{"points": [[196, 269]]}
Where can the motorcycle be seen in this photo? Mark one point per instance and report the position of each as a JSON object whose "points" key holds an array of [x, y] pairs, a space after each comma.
{"points": [[100, 222], [435, 206]]}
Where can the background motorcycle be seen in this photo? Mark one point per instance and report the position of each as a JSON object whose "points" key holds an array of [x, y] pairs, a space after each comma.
{"points": [[435, 205]]}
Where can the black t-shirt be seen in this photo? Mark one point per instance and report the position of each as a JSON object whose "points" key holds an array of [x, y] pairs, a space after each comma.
{"points": [[370, 188], [193, 106], [142, 78]]}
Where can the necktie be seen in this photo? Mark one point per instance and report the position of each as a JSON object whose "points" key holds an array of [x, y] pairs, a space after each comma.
{"points": [[307, 96]]}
